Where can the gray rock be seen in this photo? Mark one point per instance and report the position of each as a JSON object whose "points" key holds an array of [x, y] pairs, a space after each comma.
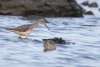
{"points": [[85, 3], [93, 4], [89, 13], [49, 8]]}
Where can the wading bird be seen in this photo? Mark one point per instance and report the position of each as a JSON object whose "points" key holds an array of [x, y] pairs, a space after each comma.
{"points": [[49, 45], [25, 30]]}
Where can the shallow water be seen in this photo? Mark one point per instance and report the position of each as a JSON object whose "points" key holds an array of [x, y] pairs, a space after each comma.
{"points": [[83, 32]]}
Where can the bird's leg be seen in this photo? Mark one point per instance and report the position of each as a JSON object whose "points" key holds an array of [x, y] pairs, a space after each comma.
{"points": [[25, 37], [19, 36]]}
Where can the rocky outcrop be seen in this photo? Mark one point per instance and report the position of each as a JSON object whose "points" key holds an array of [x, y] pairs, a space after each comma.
{"points": [[50, 8]]}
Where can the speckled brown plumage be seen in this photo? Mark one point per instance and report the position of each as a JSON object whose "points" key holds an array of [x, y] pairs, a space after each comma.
{"points": [[22, 28]]}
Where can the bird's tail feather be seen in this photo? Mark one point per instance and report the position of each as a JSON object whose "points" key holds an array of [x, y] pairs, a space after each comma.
{"points": [[9, 29]]}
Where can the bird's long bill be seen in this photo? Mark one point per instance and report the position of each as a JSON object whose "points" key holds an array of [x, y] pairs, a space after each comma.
{"points": [[46, 26]]}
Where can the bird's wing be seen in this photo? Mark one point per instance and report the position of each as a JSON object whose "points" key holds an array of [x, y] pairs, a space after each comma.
{"points": [[22, 28]]}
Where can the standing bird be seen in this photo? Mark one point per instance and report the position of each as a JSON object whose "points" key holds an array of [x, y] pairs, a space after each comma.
{"points": [[25, 30], [49, 45]]}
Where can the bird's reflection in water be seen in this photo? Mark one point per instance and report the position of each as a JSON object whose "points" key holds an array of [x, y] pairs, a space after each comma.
{"points": [[49, 45]]}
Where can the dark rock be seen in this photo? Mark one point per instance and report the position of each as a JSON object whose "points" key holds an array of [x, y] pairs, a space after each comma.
{"points": [[57, 40], [85, 3], [93, 4], [89, 13], [46, 8]]}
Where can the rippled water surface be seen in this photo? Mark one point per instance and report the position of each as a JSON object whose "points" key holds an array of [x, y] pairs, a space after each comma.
{"points": [[83, 32]]}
